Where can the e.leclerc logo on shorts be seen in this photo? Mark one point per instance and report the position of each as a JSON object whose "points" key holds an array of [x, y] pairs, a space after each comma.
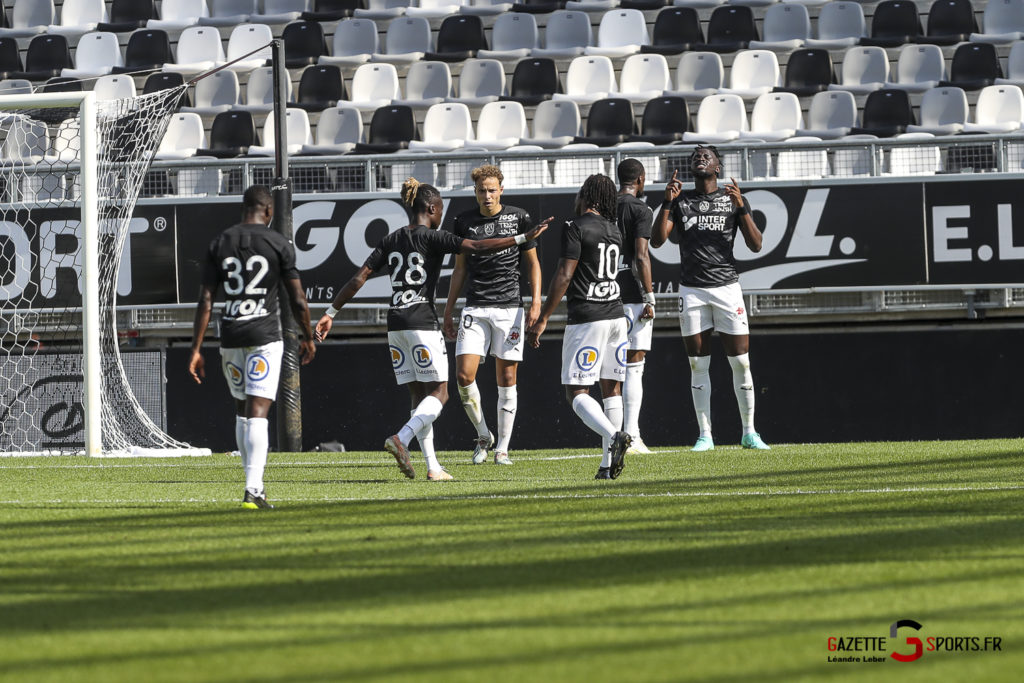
{"points": [[586, 358], [397, 357], [259, 368], [421, 356], [620, 353], [904, 644], [235, 374]]}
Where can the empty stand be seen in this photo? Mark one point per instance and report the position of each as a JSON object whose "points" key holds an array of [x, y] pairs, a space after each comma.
{"points": [[840, 25], [865, 69], [96, 55], [227, 13], [199, 49], [644, 77], [609, 122], [664, 121], [147, 50], [753, 73], [304, 44], [622, 32], [567, 35], [215, 93], [481, 81], [676, 29], [460, 37], [513, 36], [831, 114], [775, 117], [720, 118], [894, 23], [555, 124], [338, 131], [808, 71], [427, 84], [354, 43], [787, 26], [943, 112], [698, 75], [114, 87], [500, 125], [374, 85], [949, 22], [177, 15], [249, 43], [919, 68], [407, 40], [1000, 109], [730, 28], [320, 87], [588, 80], [534, 81], [886, 113], [974, 66], [446, 127], [128, 15], [231, 135]]}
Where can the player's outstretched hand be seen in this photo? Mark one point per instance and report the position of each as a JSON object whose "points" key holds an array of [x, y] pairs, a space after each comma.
{"points": [[648, 312], [733, 190], [307, 349], [539, 229], [197, 367], [674, 187], [323, 326], [534, 332], [449, 328]]}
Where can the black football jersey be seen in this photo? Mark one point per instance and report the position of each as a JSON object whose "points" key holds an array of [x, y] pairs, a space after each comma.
{"points": [[412, 256], [707, 225], [593, 292], [493, 279], [635, 221], [250, 261]]}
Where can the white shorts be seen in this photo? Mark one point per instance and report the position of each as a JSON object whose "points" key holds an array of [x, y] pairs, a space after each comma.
{"points": [[721, 308], [640, 330], [594, 350], [487, 331], [253, 370], [418, 356]]}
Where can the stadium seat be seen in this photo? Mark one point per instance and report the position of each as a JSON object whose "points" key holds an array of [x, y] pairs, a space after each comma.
{"points": [[522, 169], [332, 10], [698, 75], [78, 17], [380, 10], [338, 131], [459, 38], [1014, 66], [793, 164], [128, 15], [753, 73], [567, 35], [571, 170], [297, 134], [62, 84], [95, 55], [730, 28], [831, 115], [114, 87], [534, 80], [46, 57], [588, 80], [864, 70], [446, 127], [147, 50], [943, 112], [513, 36], [602, 6], [434, 9], [231, 135], [199, 49], [158, 81], [840, 25], [1000, 109], [1003, 22], [10, 57], [664, 121], [622, 32], [245, 38], [919, 68], [426, 84], [949, 22], [720, 118], [407, 40], [974, 66], [481, 81], [215, 93], [698, 4], [787, 26], [374, 86], [15, 86], [320, 87], [486, 8], [228, 13], [538, 6], [776, 116], [915, 159], [555, 124], [354, 43], [29, 18], [66, 141], [644, 5], [184, 136], [609, 122], [808, 71], [304, 44], [500, 125], [676, 29], [177, 15], [643, 77], [886, 113], [894, 23], [280, 12], [259, 91]]}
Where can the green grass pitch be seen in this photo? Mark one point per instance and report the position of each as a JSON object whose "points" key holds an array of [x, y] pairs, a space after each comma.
{"points": [[724, 566]]}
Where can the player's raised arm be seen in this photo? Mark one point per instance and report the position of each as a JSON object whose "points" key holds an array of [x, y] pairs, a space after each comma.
{"points": [[663, 224], [499, 243], [354, 284], [751, 235]]}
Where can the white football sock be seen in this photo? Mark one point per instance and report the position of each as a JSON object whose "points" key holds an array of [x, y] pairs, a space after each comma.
{"points": [[508, 401], [471, 404], [256, 444], [700, 387], [632, 397], [743, 384], [590, 412], [612, 411], [426, 439], [422, 416], [240, 424]]}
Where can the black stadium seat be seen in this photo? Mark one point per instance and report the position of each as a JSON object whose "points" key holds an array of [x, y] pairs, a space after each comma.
{"points": [[894, 23], [538, 6], [59, 84], [232, 134], [676, 29], [460, 37], [320, 87], [950, 22], [147, 50], [887, 112], [10, 58], [534, 81], [304, 43], [128, 15], [664, 121], [609, 122], [165, 80], [644, 5], [47, 55], [333, 10], [391, 129], [730, 29], [974, 66], [808, 72]]}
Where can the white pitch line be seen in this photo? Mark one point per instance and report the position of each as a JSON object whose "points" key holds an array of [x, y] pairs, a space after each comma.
{"points": [[536, 496]]}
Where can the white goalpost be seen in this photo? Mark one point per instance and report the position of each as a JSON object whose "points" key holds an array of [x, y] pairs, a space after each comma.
{"points": [[70, 172]]}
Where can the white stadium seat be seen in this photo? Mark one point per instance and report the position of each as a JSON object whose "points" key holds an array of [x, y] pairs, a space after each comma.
{"points": [[787, 26], [589, 79], [114, 87], [919, 68], [555, 124], [525, 170], [79, 16], [753, 73], [185, 134], [199, 49], [1003, 22], [244, 39], [500, 125], [698, 75], [481, 81], [374, 86], [434, 9], [567, 35], [943, 112], [297, 133], [776, 116], [513, 37], [622, 32], [720, 118], [177, 15], [447, 127], [1000, 109], [96, 55], [644, 77], [29, 18], [407, 40], [338, 130], [216, 93], [426, 84], [259, 91], [354, 43], [228, 13], [840, 25], [831, 114], [865, 69]]}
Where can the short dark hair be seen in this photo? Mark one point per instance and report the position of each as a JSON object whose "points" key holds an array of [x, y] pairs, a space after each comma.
{"points": [[417, 196], [598, 193], [257, 196], [713, 150], [629, 171]]}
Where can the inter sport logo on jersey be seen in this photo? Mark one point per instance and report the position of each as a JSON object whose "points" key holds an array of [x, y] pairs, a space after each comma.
{"points": [[258, 368], [586, 358], [397, 357], [235, 374], [421, 356]]}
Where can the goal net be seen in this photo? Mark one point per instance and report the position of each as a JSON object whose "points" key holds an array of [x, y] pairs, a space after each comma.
{"points": [[70, 172]]}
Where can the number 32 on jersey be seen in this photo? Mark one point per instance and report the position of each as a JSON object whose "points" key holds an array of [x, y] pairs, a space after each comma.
{"points": [[246, 281]]}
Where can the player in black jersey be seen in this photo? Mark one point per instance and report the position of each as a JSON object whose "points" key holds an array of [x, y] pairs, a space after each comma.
{"points": [[594, 343], [635, 220], [493, 321], [252, 263], [412, 257], [707, 219]]}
